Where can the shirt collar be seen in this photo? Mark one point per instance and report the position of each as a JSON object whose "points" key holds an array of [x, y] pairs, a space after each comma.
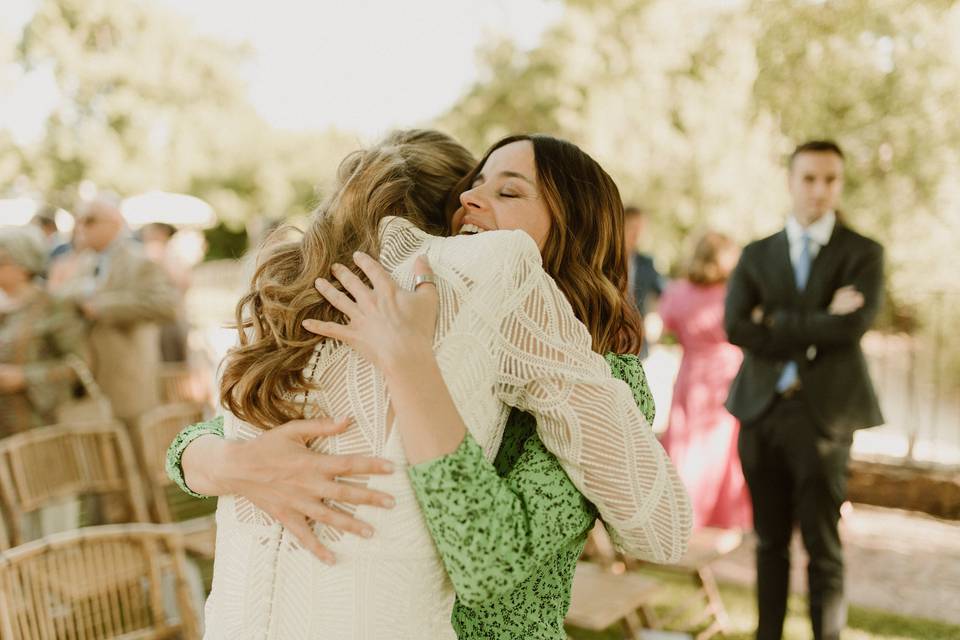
{"points": [[820, 231]]}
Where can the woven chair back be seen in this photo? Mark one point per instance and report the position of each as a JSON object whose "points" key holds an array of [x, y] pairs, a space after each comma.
{"points": [[43, 466], [156, 429], [99, 582]]}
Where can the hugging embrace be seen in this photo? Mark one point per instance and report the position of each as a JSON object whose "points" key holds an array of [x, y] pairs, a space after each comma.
{"points": [[434, 395]]}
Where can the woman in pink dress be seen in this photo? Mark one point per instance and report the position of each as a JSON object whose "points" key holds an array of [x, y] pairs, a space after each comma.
{"points": [[701, 436]]}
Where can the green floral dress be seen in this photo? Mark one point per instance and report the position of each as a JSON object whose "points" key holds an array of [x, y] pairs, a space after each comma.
{"points": [[509, 533]]}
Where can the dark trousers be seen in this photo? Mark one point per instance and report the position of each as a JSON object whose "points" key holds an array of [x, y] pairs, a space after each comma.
{"points": [[796, 475]]}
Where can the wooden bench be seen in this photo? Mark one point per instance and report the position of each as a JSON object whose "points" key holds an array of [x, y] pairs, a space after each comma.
{"points": [[706, 546], [602, 598]]}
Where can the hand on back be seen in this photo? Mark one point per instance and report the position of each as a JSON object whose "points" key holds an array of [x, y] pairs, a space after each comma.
{"points": [[280, 474]]}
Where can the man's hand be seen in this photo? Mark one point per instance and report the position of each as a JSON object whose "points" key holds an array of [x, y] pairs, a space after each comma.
{"points": [[845, 301], [12, 378], [88, 310]]}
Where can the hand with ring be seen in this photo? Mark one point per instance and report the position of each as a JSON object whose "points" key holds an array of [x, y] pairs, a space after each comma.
{"points": [[387, 325]]}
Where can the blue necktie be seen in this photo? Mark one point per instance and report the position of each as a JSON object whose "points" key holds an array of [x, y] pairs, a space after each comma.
{"points": [[801, 271]]}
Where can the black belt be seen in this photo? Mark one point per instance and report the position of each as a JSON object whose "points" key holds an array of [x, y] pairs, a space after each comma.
{"points": [[792, 390]]}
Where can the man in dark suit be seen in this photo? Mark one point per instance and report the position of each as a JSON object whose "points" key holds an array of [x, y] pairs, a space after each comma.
{"points": [[797, 304], [644, 280]]}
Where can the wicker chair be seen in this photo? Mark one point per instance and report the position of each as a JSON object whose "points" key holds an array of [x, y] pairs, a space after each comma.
{"points": [[155, 431], [4, 538], [180, 383], [99, 582], [44, 466]]}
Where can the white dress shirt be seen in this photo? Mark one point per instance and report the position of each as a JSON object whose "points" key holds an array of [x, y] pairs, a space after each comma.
{"points": [[819, 233]]}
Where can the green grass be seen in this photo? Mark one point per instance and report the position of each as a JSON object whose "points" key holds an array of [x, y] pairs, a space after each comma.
{"points": [[863, 624]]}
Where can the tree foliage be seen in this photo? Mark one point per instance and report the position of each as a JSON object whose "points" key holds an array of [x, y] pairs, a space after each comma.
{"points": [[147, 103], [693, 111], [692, 107]]}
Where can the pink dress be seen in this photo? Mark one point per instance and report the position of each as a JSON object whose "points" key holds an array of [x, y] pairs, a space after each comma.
{"points": [[701, 436]]}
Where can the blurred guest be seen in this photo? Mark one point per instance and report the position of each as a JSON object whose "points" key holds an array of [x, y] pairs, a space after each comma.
{"points": [[156, 238], [157, 245], [37, 335], [125, 296], [798, 303], [701, 435], [645, 282], [57, 243], [46, 220], [65, 262]]}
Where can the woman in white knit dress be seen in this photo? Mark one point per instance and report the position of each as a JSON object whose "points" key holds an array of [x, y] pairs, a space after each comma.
{"points": [[506, 337]]}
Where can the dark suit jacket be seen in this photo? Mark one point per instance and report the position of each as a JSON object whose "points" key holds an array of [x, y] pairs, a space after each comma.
{"points": [[646, 280], [797, 326]]}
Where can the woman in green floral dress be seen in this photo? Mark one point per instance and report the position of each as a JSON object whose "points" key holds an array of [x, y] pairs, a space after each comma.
{"points": [[509, 532]]}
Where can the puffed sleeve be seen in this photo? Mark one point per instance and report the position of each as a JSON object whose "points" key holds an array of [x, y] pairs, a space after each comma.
{"points": [[585, 417]]}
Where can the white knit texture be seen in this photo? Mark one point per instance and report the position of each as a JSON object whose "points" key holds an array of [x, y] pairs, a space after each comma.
{"points": [[505, 337]]}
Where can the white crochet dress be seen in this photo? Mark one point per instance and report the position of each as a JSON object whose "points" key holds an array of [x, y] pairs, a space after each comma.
{"points": [[506, 337]]}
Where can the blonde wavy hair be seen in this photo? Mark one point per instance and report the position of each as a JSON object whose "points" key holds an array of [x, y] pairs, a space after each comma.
{"points": [[410, 173]]}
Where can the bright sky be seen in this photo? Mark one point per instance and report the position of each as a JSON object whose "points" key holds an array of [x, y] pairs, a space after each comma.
{"points": [[362, 65]]}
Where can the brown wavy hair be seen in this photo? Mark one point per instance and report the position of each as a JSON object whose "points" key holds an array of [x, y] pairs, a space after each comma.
{"points": [[585, 252], [409, 173]]}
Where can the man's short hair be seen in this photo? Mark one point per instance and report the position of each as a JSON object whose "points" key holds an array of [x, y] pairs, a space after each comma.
{"points": [[168, 230], [107, 200], [816, 146], [45, 217], [633, 211]]}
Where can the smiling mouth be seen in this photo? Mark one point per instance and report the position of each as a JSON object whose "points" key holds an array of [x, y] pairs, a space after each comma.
{"points": [[470, 229]]}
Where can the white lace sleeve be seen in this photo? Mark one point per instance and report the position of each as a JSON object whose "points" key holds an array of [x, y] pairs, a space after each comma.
{"points": [[587, 418]]}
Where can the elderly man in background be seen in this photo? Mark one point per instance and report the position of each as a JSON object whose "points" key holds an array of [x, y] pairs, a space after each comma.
{"points": [[124, 296], [45, 219], [38, 336]]}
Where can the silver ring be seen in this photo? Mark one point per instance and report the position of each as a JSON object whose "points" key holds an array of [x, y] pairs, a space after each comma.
{"points": [[423, 278]]}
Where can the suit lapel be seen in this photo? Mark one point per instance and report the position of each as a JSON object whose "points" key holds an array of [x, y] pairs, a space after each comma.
{"points": [[116, 264], [783, 267], [825, 261]]}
